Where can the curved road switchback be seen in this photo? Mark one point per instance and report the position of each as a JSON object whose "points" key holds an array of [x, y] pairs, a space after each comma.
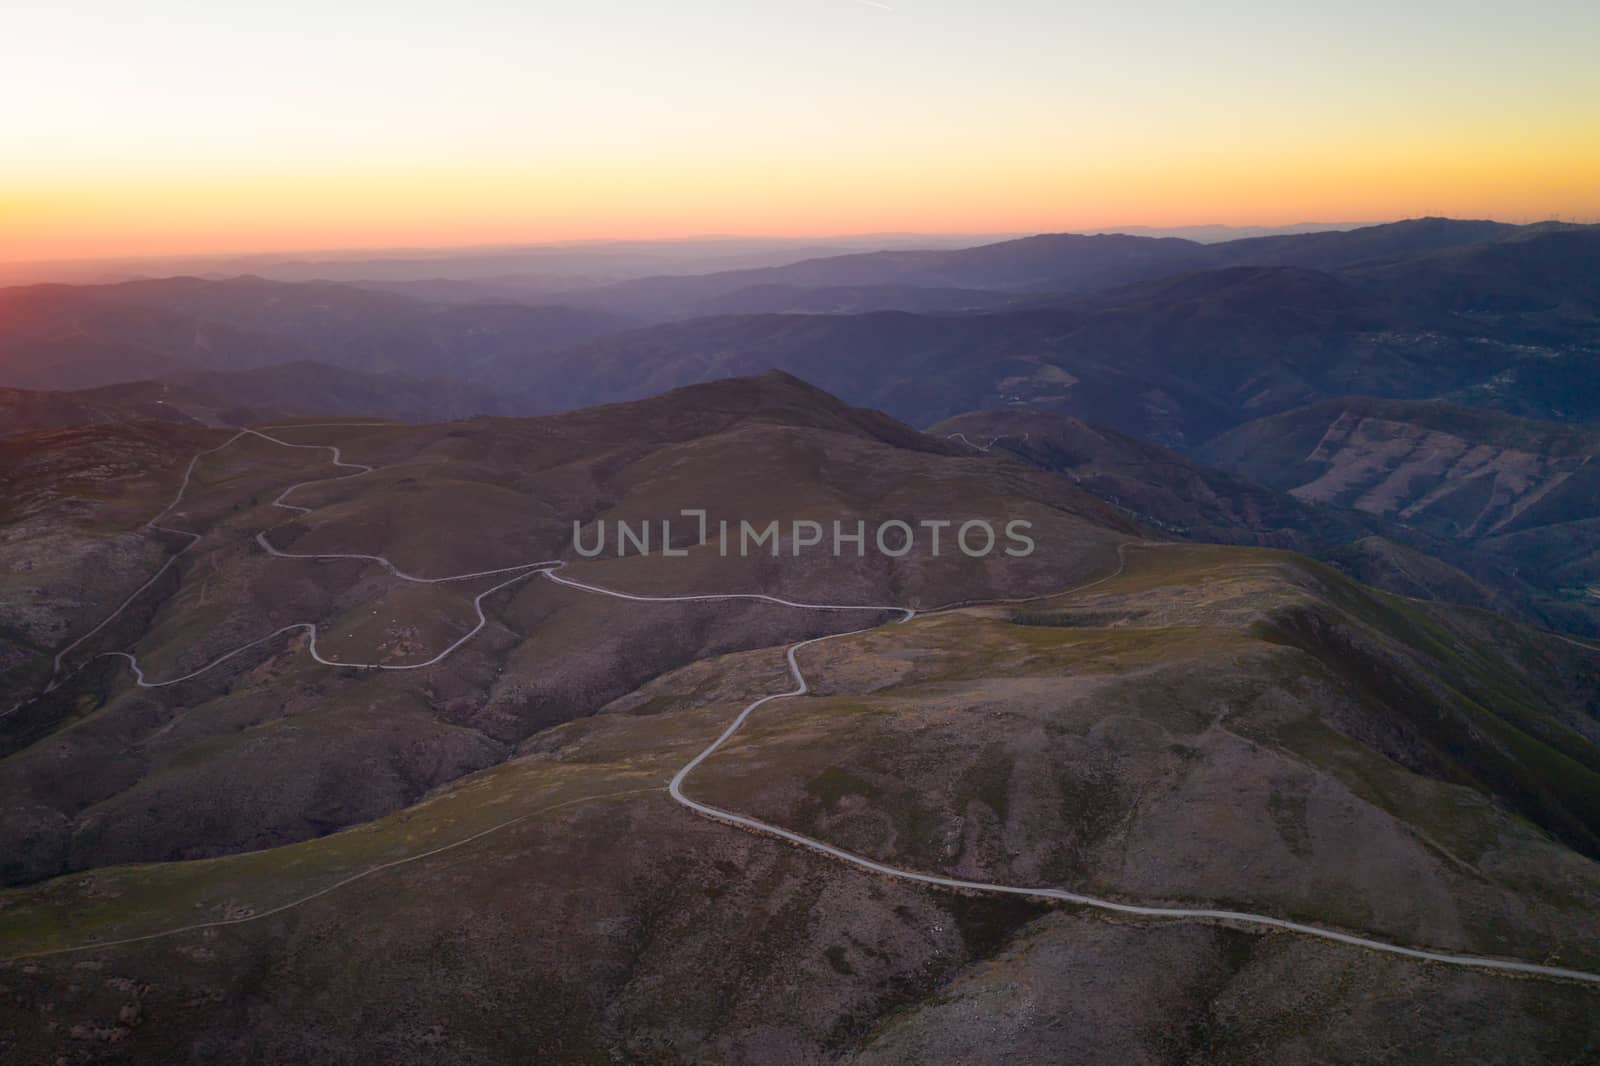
{"points": [[801, 687], [521, 571]]}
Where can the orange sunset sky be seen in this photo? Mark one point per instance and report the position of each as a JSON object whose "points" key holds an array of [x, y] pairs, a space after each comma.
{"points": [[175, 127]]}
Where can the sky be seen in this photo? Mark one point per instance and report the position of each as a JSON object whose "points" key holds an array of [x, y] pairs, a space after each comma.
{"points": [[179, 126]]}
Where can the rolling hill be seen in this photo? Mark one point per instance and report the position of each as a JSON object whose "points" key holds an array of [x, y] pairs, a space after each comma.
{"points": [[1211, 726], [1176, 361], [420, 837], [165, 773], [239, 397], [66, 337], [62, 337]]}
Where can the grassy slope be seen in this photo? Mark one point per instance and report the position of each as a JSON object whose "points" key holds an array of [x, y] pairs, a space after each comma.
{"points": [[1092, 743], [1463, 791]]}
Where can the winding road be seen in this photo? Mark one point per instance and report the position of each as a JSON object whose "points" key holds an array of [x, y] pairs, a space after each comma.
{"points": [[1077, 898], [987, 448], [801, 687], [521, 571]]}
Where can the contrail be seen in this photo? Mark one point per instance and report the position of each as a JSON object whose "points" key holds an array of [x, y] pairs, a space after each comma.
{"points": [[874, 3]]}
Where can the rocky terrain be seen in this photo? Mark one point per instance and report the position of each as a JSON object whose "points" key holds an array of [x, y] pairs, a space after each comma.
{"points": [[267, 746], [1520, 499], [1211, 725], [478, 860], [1459, 472], [1157, 486]]}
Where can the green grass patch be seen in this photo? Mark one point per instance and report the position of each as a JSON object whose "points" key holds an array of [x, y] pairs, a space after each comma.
{"points": [[117, 902]]}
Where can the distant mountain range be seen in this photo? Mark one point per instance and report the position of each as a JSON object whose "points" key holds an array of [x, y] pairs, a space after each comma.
{"points": [[1212, 234], [56, 336], [1152, 353], [245, 397], [1184, 357], [1170, 340], [1054, 263]]}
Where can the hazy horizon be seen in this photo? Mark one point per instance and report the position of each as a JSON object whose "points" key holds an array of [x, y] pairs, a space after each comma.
{"points": [[223, 261], [181, 131]]}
